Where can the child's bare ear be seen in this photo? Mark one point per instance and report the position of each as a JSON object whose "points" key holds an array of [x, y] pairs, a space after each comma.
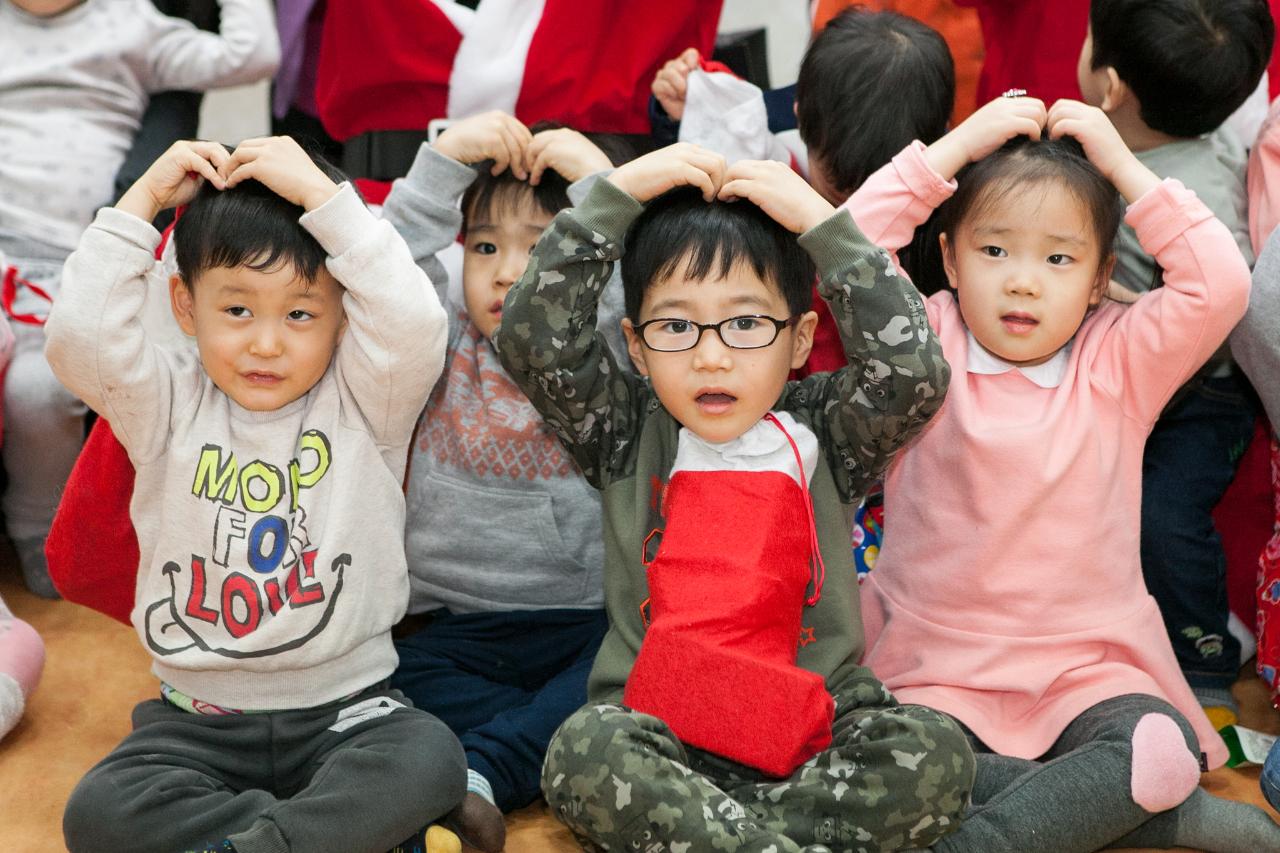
{"points": [[802, 340], [180, 301], [635, 347], [1115, 93], [948, 260]]}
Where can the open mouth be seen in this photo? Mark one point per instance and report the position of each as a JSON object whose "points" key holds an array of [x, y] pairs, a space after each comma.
{"points": [[1018, 323], [715, 402]]}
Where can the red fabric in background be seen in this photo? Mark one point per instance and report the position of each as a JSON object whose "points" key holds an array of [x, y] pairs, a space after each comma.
{"points": [[590, 65], [91, 549], [1245, 519], [384, 65], [727, 596], [1032, 45]]}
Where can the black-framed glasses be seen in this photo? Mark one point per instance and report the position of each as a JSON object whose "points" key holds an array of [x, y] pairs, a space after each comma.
{"points": [[749, 331]]}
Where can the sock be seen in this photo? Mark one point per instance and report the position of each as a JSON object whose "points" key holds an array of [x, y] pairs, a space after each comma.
{"points": [[1163, 772], [477, 784], [35, 570], [1219, 705], [12, 704], [1206, 822]]}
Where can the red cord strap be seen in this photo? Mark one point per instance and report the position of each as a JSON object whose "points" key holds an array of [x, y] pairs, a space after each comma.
{"points": [[817, 568], [9, 291]]}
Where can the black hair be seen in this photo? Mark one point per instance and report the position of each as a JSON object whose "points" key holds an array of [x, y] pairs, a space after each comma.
{"points": [[1020, 164], [869, 84], [247, 226], [551, 195], [1190, 63], [680, 232]]}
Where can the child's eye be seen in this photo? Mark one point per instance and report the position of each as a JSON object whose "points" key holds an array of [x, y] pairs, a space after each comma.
{"points": [[237, 311], [1060, 260], [744, 324], [993, 251], [299, 314], [673, 327], [484, 249]]}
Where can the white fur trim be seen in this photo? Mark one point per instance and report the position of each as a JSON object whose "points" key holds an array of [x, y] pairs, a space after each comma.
{"points": [[488, 69]]}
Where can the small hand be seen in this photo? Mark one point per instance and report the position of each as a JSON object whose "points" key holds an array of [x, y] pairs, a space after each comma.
{"points": [[682, 164], [280, 164], [671, 82], [175, 177], [991, 126], [492, 136], [1102, 145], [566, 152], [778, 191]]}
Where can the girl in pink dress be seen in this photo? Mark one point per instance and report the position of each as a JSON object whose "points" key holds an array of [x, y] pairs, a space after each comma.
{"points": [[1009, 592]]}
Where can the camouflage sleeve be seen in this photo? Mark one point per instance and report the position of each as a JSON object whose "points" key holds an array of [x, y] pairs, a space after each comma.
{"points": [[896, 374], [549, 344]]}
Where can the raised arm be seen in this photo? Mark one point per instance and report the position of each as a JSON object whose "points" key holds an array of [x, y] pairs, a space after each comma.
{"points": [[95, 341], [244, 50], [901, 195], [1163, 338]]}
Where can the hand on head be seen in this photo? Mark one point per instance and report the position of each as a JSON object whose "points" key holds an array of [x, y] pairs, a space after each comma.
{"points": [[671, 82], [1006, 117], [770, 185], [492, 136], [278, 162]]}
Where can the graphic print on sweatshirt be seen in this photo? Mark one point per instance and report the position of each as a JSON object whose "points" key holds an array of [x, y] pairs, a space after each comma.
{"points": [[258, 564], [478, 421]]}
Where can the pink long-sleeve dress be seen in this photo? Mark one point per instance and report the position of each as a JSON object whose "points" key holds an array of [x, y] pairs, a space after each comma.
{"points": [[1009, 591]]}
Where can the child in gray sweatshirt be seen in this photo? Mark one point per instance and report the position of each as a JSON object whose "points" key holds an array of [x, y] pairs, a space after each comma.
{"points": [[267, 507], [504, 534]]}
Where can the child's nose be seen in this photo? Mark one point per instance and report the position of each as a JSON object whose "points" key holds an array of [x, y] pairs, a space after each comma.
{"points": [[711, 353], [266, 341], [1023, 281], [510, 269]]}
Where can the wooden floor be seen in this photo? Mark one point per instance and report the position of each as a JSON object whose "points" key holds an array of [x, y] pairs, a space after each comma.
{"points": [[97, 671]]}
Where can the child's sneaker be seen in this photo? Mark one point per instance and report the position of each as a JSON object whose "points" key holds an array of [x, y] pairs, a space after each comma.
{"points": [[433, 839]]}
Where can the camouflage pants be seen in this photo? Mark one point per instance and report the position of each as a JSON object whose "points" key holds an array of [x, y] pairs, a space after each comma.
{"points": [[894, 777]]}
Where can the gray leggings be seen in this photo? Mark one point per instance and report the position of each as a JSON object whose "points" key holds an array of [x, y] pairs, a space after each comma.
{"points": [[1076, 799], [355, 776], [43, 422]]}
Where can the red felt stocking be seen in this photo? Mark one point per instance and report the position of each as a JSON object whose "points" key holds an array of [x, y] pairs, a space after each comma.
{"points": [[727, 592]]}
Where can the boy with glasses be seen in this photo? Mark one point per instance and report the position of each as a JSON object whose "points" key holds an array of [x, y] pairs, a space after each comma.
{"points": [[726, 706]]}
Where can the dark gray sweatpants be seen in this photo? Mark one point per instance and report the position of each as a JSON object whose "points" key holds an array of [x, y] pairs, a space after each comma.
{"points": [[349, 777]]}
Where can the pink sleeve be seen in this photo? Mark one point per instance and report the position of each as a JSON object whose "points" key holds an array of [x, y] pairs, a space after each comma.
{"points": [[1167, 335], [897, 199], [1264, 180]]}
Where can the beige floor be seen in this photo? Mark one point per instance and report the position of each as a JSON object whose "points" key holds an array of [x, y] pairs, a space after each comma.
{"points": [[97, 671]]}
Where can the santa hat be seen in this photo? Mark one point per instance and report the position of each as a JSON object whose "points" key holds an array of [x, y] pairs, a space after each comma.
{"points": [[398, 64]]}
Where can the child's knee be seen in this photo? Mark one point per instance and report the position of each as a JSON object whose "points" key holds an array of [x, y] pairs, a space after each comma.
{"points": [[90, 820], [1163, 770]]}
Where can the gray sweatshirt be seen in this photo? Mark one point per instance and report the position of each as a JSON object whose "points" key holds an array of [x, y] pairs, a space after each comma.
{"points": [[499, 516], [271, 551], [1255, 343]]}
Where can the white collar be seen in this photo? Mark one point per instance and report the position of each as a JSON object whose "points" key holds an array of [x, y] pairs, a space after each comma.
{"points": [[1049, 374]]}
